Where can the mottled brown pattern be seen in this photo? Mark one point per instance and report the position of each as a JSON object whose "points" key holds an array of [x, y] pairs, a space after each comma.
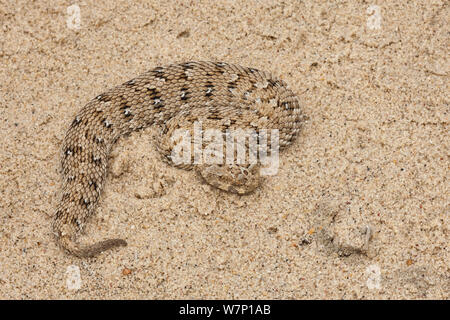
{"points": [[220, 95]]}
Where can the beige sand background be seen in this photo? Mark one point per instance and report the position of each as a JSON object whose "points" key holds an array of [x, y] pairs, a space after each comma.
{"points": [[358, 210]]}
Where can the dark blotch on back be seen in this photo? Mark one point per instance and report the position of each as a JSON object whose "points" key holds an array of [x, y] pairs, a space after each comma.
{"points": [[130, 83], [159, 73], [209, 88], [106, 123], [184, 93], [104, 98], [273, 83], [220, 68], [67, 152], [75, 122], [187, 66], [58, 214], [84, 202], [97, 161], [93, 185], [154, 93], [232, 85]]}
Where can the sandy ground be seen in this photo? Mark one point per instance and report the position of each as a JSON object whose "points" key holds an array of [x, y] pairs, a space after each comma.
{"points": [[358, 210]]}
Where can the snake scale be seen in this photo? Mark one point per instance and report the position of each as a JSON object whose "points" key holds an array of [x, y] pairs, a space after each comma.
{"points": [[221, 95]]}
